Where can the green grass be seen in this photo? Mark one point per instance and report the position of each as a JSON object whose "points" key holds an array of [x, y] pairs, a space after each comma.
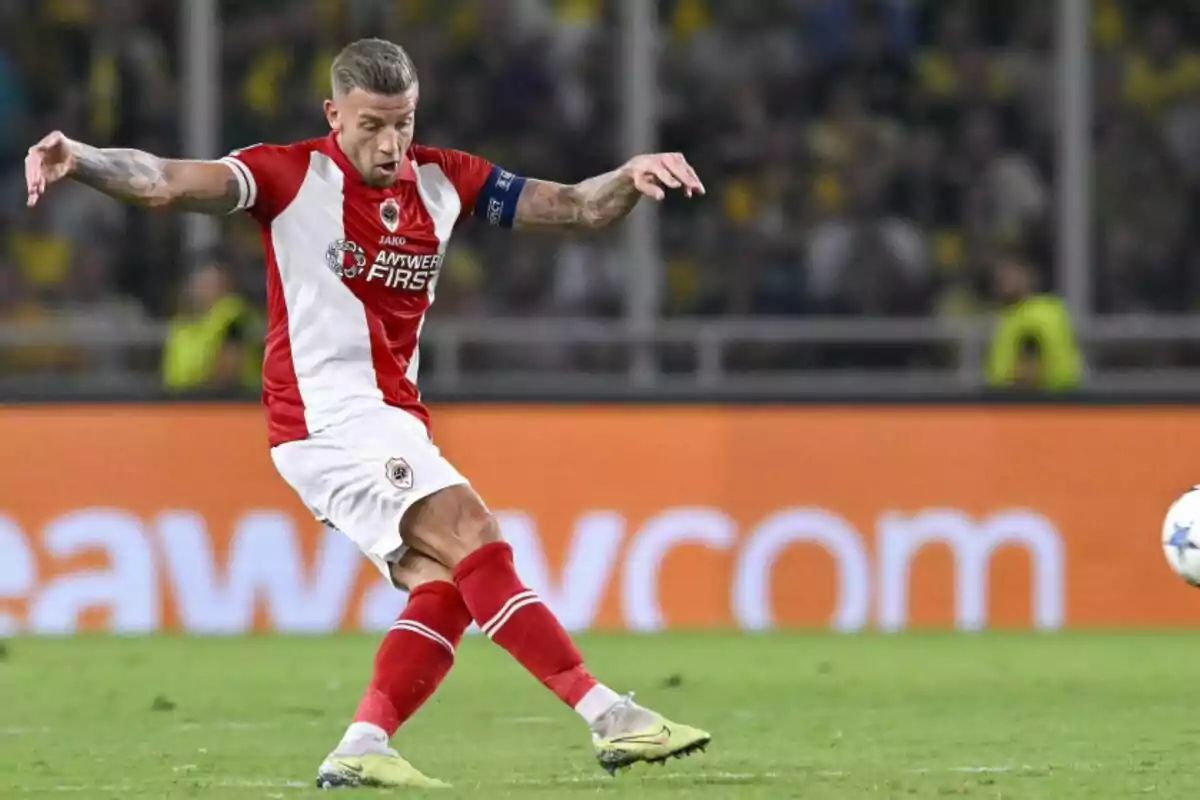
{"points": [[1010, 716]]}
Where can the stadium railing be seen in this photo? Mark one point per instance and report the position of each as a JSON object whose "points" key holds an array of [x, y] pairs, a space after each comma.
{"points": [[709, 341]]}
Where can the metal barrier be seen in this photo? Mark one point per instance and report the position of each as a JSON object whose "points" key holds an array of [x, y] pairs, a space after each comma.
{"points": [[708, 343]]}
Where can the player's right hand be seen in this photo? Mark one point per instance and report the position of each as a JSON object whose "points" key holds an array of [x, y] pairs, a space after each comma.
{"points": [[50, 160]]}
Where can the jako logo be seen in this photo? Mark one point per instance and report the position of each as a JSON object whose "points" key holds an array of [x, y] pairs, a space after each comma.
{"points": [[144, 575]]}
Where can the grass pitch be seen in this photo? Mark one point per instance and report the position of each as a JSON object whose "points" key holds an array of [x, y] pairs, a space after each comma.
{"points": [[820, 716]]}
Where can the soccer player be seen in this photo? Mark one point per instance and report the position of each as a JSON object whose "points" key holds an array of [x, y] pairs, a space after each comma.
{"points": [[355, 226]]}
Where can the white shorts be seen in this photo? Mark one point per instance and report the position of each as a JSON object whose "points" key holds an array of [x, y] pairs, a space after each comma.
{"points": [[362, 475]]}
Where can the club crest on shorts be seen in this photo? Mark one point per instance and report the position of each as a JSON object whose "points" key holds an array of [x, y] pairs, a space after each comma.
{"points": [[389, 214], [399, 473]]}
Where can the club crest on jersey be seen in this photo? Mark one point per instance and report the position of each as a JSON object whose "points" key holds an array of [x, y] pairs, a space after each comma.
{"points": [[399, 473], [346, 259], [389, 214]]}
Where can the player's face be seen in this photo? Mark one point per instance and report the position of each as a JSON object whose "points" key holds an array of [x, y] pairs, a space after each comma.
{"points": [[374, 130]]}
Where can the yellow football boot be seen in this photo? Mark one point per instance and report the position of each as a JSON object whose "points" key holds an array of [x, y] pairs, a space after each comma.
{"points": [[376, 770], [628, 734]]}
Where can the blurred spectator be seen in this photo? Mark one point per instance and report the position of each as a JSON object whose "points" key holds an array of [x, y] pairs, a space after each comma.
{"points": [[851, 132], [1160, 70], [1034, 345], [864, 157], [865, 260], [1013, 195], [958, 69], [212, 342]]}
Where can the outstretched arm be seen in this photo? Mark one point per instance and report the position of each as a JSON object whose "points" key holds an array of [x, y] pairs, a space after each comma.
{"points": [[205, 187], [133, 176], [604, 199]]}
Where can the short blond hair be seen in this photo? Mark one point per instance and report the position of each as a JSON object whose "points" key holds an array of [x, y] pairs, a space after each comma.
{"points": [[373, 65]]}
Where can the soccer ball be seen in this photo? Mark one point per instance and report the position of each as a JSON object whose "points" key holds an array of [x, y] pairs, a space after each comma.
{"points": [[1181, 536]]}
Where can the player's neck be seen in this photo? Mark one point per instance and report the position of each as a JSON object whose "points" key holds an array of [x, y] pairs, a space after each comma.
{"points": [[347, 161]]}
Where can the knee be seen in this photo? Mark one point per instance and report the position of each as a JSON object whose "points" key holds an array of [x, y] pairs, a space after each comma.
{"points": [[477, 528], [473, 528], [450, 525]]}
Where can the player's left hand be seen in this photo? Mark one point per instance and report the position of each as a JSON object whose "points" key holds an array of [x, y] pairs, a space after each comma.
{"points": [[653, 174]]}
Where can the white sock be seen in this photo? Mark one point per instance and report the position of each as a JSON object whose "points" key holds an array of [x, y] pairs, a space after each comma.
{"points": [[596, 702], [363, 737]]}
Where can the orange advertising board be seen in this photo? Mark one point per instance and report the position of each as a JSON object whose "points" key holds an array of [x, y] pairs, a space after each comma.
{"points": [[171, 517]]}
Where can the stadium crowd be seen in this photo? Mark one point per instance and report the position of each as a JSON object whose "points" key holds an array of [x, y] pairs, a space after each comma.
{"points": [[864, 157]]}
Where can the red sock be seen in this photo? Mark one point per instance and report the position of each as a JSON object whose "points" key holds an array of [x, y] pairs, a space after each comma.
{"points": [[414, 656], [515, 618]]}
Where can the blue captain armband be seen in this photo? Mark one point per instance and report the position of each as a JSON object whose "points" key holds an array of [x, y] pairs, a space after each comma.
{"points": [[497, 201]]}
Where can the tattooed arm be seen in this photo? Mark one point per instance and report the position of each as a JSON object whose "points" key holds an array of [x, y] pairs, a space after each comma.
{"points": [[604, 199], [133, 176], [205, 187]]}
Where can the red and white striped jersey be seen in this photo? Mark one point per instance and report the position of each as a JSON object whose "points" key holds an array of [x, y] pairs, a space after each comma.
{"points": [[351, 271]]}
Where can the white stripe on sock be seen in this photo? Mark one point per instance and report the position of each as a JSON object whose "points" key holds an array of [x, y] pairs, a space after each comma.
{"points": [[528, 601], [487, 626], [424, 630]]}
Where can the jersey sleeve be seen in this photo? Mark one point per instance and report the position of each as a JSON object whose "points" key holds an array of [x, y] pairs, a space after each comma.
{"points": [[268, 177], [486, 190]]}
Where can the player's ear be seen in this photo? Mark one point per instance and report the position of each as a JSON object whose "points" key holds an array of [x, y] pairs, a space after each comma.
{"points": [[332, 116]]}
